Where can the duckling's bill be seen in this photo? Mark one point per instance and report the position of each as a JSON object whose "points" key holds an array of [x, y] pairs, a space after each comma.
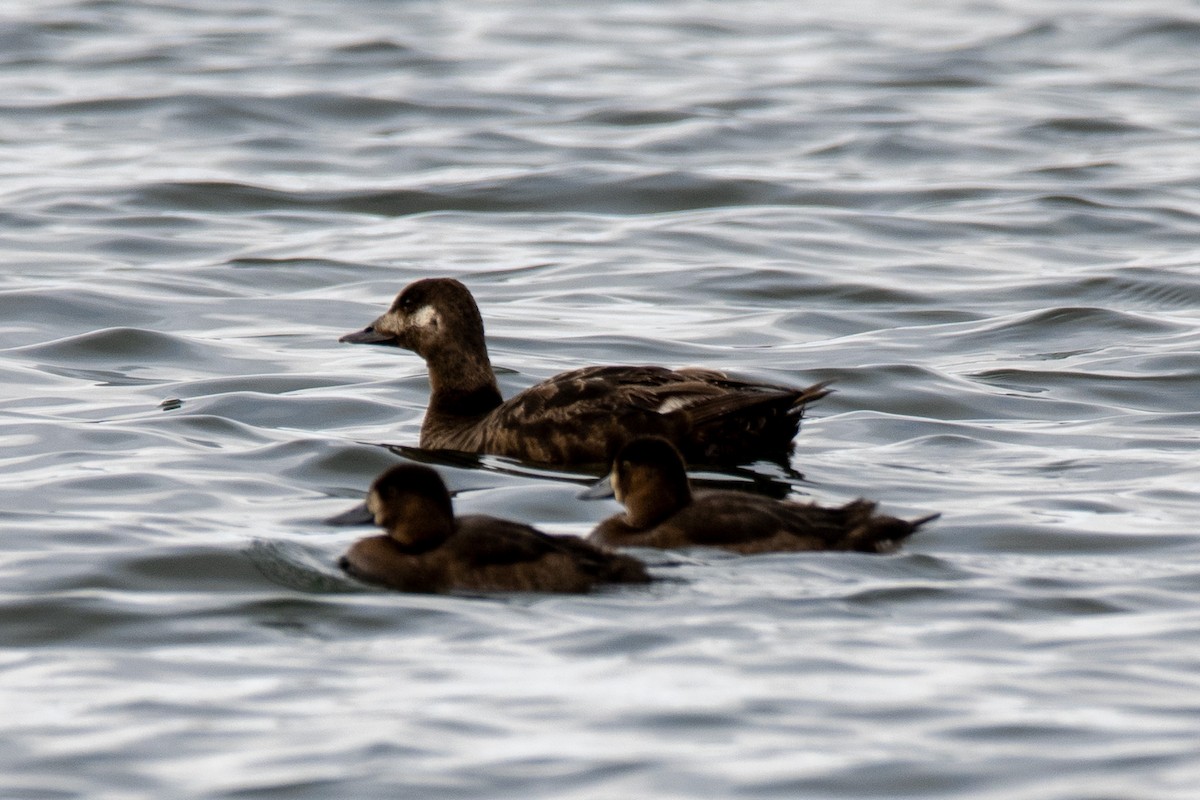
{"points": [[359, 515], [600, 490]]}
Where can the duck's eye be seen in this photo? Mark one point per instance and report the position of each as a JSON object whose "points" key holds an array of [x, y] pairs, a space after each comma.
{"points": [[405, 302]]}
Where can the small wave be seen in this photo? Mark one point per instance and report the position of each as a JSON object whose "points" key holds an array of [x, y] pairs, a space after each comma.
{"points": [[300, 568], [628, 117], [61, 311], [1054, 329], [1147, 288], [1159, 33], [126, 346], [574, 190], [1074, 127], [386, 47], [1105, 391]]}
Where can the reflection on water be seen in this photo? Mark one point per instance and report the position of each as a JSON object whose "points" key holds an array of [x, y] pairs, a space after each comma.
{"points": [[978, 220]]}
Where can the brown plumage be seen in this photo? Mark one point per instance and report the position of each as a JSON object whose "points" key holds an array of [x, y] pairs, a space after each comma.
{"points": [[649, 479], [427, 549], [581, 416]]}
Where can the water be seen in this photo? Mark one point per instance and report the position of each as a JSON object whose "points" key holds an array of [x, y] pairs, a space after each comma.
{"points": [[978, 218]]}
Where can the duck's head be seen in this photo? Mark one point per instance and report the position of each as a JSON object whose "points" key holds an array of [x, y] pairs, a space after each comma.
{"points": [[429, 316], [411, 504], [649, 478]]}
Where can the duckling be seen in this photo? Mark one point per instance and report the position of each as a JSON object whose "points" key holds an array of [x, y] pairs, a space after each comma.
{"points": [[427, 549], [582, 416], [649, 479]]}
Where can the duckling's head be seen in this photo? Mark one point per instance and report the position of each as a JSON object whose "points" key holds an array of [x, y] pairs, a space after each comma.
{"points": [[411, 503], [429, 316], [649, 478]]}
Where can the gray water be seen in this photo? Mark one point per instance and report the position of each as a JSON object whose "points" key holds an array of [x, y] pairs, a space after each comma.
{"points": [[979, 218]]}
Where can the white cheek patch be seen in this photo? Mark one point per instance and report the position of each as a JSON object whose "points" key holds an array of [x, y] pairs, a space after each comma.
{"points": [[375, 506], [425, 317]]}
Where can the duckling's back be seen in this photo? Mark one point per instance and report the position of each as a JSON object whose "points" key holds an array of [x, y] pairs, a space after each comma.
{"points": [[754, 524], [748, 523], [486, 554], [490, 554]]}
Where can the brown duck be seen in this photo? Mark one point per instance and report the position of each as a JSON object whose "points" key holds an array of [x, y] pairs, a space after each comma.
{"points": [[427, 549], [581, 416], [661, 510]]}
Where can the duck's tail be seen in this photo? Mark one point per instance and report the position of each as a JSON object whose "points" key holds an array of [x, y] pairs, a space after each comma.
{"points": [[871, 533], [916, 523], [625, 569], [743, 426], [733, 403], [811, 394]]}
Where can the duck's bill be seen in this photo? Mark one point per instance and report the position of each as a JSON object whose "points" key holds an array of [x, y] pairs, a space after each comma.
{"points": [[369, 335], [598, 490], [359, 515]]}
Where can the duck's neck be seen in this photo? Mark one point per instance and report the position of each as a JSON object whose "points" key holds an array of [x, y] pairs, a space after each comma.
{"points": [[461, 381], [424, 527], [652, 503]]}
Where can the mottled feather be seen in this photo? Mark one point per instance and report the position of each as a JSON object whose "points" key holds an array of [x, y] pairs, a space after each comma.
{"points": [[662, 511], [581, 416], [427, 549]]}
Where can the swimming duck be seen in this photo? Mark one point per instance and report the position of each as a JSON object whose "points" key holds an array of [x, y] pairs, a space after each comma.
{"points": [[581, 416], [427, 549], [649, 479]]}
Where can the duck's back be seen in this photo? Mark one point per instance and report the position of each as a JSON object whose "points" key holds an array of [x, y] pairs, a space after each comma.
{"points": [[490, 554], [748, 523], [583, 416]]}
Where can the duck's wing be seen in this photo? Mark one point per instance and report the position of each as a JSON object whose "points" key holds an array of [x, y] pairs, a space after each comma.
{"points": [[583, 415], [483, 542], [732, 519], [490, 541], [649, 389], [751, 522]]}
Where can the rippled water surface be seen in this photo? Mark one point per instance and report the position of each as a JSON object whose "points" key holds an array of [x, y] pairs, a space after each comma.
{"points": [[979, 218]]}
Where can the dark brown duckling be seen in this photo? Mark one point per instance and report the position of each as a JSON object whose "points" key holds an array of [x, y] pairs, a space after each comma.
{"points": [[427, 549], [581, 416], [649, 479]]}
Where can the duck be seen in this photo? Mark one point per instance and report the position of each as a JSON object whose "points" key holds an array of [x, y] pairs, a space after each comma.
{"points": [[649, 478], [583, 416], [425, 548]]}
